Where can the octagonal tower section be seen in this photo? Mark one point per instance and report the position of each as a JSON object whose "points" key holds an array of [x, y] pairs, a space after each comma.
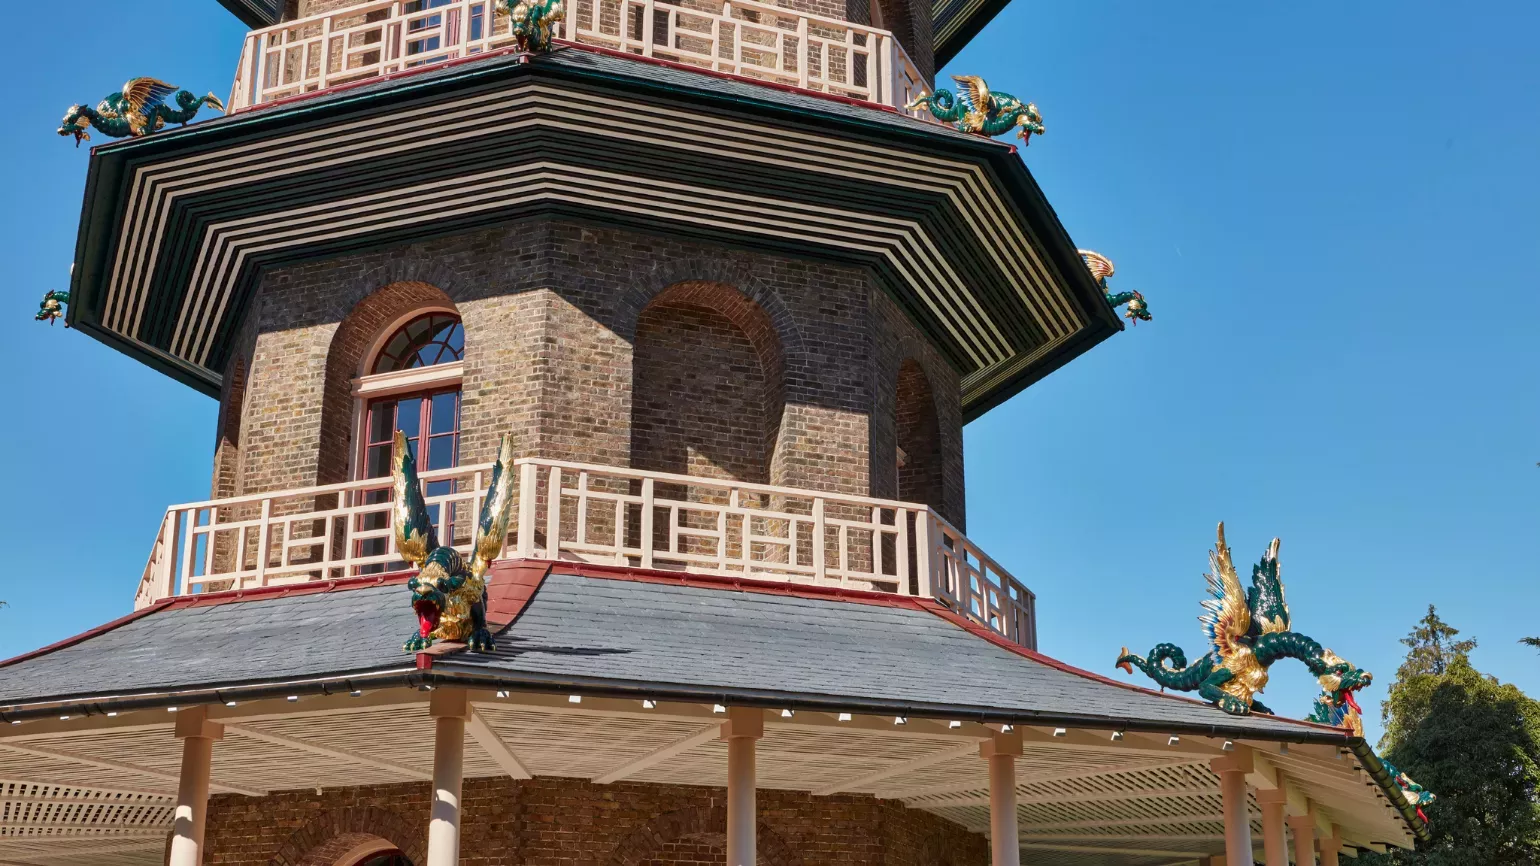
{"points": [[731, 325]]}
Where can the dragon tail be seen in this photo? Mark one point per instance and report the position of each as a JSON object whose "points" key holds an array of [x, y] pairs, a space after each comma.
{"points": [[1167, 666]]}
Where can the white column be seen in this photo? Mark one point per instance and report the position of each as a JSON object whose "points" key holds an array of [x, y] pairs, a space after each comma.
{"points": [[1302, 828], [450, 709], [743, 727], [1331, 846], [1274, 843], [1001, 751], [197, 734], [1232, 770]]}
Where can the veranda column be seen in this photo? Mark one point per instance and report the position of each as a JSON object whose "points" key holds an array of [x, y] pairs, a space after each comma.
{"points": [[1331, 846], [450, 709], [744, 725], [1004, 839], [197, 734], [1232, 770], [1275, 845], [1302, 828]]}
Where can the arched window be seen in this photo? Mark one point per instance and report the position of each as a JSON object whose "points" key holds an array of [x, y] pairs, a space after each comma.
{"points": [[413, 386], [434, 338]]}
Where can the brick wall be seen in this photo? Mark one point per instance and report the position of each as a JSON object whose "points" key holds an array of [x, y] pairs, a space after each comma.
{"points": [[553, 313], [896, 346], [562, 822]]}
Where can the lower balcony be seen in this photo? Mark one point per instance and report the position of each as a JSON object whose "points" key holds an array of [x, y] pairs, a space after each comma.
{"points": [[738, 37], [602, 514]]}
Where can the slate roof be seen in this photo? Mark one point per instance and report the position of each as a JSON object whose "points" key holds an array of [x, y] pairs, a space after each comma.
{"points": [[655, 634], [189, 646]]}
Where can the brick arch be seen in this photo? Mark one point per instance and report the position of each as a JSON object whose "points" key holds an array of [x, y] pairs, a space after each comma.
{"points": [[331, 835], [708, 381], [358, 332], [648, 842], [727, 271]]}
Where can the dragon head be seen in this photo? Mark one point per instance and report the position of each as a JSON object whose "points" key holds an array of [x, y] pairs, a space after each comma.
{"points": [[76, 122], [1137, 309], [432, 585], [1031, 123], [52, 307], [1338, 684]]}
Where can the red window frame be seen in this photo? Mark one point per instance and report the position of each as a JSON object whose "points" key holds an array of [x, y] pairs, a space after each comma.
{"points": [[424, 438]]}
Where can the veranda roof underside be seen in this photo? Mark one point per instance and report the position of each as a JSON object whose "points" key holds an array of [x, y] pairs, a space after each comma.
{"points": [[179, 227], [848, 665]]}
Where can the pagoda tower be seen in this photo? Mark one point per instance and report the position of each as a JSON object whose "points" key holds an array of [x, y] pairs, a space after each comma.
{"points": [[690, 295]]}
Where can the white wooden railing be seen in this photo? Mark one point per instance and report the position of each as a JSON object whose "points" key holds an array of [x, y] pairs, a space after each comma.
{"points": [[741, 37], [604, 514]]}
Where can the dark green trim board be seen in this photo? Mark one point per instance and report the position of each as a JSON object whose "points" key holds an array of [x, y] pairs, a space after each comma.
{"points": [[255, 13], [178, 228]]}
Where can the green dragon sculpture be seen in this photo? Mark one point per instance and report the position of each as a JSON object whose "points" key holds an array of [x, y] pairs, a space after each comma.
{"points": [[1335, 705], [975, 109], [1101, 268], [52, 307], [532, 22], [138, 109], [1249, 631], [1414, 793], [449, 595]]}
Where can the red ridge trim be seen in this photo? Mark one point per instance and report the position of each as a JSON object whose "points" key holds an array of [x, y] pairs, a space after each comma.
{"points": [[87, 635], [1001, 641], [510, 586], [424, 661]]}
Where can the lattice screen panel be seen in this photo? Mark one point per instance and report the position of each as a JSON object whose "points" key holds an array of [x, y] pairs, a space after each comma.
{"points": [[61, 771]]}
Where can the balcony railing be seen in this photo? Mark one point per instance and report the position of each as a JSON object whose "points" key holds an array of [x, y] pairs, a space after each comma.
{"points": [[603, 514], [740, 37]]}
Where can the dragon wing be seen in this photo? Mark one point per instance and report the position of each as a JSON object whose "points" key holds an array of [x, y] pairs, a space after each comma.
{"points": [[492, 526], [143, 94], [1265, 598], [976, 92], [1227, 618], [415, 536]]}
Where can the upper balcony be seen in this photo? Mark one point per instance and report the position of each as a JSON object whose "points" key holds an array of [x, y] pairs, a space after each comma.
{"points": [[738, 37], [602, 514]]}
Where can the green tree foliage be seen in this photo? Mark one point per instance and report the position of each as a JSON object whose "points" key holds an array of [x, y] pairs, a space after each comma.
{"points": [[1473, 741], [1530, 641]]}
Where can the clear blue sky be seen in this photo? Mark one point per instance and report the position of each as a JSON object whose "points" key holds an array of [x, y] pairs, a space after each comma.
{"points": [[1330, 207]]}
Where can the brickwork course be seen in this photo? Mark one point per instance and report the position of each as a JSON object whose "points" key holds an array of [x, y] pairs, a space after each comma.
{"points": [[609, 347], [563, 822]]}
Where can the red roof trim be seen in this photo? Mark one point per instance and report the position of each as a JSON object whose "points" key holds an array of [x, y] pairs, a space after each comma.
{"points": [[87, 635], [312, 587]]}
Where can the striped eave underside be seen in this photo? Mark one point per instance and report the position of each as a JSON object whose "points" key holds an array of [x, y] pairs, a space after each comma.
{"points": [[227, 249], [954, 23]]}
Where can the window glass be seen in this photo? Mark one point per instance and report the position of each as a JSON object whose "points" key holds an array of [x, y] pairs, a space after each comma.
{"points": [[437, 338]]}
